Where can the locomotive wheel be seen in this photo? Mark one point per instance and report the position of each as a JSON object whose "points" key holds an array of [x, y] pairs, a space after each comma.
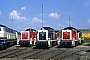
{"points": [[1, 47], [76, 43], [5, 46], [82, 41], [54, 43], [50, 44]]}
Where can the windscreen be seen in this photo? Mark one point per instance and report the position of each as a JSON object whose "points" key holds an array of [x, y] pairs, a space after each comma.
{"points": [[24, 35], [42, 35], [66, 35]]}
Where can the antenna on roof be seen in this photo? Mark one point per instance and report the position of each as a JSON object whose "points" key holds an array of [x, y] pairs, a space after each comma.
{"points": [[12, 22], [69, 20], [42, 16]]}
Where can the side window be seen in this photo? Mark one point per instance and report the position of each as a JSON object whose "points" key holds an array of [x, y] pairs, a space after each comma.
{"points": [[80, 35], [11, 31], [6, 29], [0, 28], [14, 31]]}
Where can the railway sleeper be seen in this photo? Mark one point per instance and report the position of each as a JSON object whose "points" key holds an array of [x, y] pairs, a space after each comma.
{"points": [[46, 57], [65, 55], [8, 53], [17, 54], [42, 54], [27, 55]]}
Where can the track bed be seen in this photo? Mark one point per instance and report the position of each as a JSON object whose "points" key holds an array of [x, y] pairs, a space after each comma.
{"points": [[76, 53]]}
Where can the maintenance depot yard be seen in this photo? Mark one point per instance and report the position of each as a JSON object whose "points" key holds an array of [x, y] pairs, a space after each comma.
{"points": [[80, 52]]}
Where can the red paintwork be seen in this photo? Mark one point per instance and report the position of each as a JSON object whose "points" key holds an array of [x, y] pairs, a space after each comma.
{"points": [[31, 34], [66, 35], [24, 36], [74, 34], [34, 34], [57, 35]]}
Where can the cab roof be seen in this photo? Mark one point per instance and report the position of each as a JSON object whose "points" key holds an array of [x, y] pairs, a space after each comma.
{"points": [[29, 29], [70, 28], [47, 28]]}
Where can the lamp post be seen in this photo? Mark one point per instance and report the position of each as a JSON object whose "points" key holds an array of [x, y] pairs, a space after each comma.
{"points": [[12, 27], [69, 21], [12, 22], [42, 16]]}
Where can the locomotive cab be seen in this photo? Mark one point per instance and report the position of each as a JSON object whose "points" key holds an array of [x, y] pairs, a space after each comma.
{"points": [[71, 37], [28, 37], [46, 37], [42, 38]]}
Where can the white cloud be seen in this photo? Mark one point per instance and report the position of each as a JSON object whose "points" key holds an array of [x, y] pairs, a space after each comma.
{"points": [[34, 21], [23, 8], [0, 12], [37, 20], [88, 2], [54, 15], [16, 16], [88, 21]]}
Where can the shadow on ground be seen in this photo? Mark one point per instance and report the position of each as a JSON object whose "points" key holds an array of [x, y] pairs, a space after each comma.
{"points": [[87, 50], [24, 45], [63, 47], [87, 44], [41, 47], [4, 48]]}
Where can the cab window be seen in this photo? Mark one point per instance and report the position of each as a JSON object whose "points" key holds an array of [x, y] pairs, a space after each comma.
{"points": [[0, 29]]}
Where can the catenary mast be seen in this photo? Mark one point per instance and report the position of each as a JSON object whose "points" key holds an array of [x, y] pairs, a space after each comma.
{"points": [[42, 16]]}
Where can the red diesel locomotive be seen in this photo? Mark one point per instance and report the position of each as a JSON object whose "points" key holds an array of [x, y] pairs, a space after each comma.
{"points": [[28, 37], [71, 37]]}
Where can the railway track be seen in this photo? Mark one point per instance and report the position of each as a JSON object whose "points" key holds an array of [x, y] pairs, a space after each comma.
{"points": [[68, 54], [8, 52], [5, 51], [17, 54], [75, 53], [50, 55], [33, 54], [3, 55], [37, 55]]}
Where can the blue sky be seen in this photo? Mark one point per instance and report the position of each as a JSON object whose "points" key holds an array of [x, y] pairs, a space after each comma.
{"points": [[27, 13]]}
